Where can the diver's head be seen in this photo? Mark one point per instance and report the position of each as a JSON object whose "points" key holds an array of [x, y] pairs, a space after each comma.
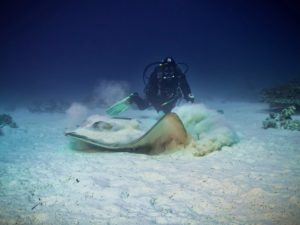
{"points": [[168, 61]]}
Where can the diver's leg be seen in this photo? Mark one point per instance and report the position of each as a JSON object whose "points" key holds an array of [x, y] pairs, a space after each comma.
{"points": [[168, 108], [125, 103], [140, 102], [168, 105]]}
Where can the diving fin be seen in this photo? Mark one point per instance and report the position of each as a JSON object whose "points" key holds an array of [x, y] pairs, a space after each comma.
{"points": [[119, 106]]}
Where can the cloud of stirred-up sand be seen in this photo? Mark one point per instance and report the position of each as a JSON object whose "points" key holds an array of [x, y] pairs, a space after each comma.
{"points": [[107, 92]]}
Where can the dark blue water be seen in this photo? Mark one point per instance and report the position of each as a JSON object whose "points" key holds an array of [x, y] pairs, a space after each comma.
{"points": [[64, 49]]}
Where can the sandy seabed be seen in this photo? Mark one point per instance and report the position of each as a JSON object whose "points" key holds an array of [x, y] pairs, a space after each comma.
{"points": [[44, 181]]}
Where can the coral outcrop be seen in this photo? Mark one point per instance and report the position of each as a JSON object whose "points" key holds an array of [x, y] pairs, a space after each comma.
{"points": [[6, 120], [283, 96], [282, 120]]}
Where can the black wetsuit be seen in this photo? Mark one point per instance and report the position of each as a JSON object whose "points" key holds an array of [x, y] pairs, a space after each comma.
{"points": [[165, 86]]}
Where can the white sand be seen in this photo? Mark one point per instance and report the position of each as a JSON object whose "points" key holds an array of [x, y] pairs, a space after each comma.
{"points": [[253, 182]]}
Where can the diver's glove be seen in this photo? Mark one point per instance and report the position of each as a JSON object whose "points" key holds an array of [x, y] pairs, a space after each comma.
{"points": [[190, 98], [120, 106]]}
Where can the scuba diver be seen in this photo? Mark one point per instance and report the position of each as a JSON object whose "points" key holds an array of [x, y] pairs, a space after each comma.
{"points": [[164, 87]]}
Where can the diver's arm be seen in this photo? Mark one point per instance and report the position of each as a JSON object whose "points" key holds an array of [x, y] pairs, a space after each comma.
{"points": [[185, 88], [151, 89]]}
